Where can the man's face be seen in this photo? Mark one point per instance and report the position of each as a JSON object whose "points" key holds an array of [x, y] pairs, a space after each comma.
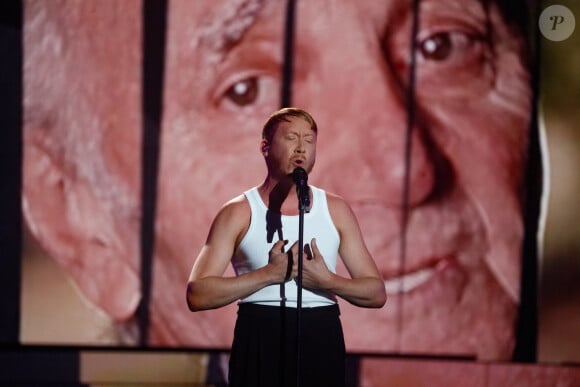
{"points": [[451, 263], [292, 144]]}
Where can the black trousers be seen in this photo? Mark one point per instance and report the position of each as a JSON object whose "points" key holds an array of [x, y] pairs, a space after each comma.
{"points": [[264, 348]]}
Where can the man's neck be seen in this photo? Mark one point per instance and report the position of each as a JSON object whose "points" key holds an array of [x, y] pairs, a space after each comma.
{"points": [[278, 195]]}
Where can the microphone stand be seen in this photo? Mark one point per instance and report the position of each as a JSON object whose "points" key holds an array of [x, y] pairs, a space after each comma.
{"points": [[303, 192]]}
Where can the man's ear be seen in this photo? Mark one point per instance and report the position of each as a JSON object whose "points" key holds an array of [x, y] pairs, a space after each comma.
{"points": [[77, 230], [264, 147]]}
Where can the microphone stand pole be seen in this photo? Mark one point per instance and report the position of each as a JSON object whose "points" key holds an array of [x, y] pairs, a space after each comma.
{"points": [[303, 205]]}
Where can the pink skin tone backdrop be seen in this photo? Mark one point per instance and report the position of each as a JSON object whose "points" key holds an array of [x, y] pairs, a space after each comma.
{"points": [[456, 290], [82, 144], [460, 281]]}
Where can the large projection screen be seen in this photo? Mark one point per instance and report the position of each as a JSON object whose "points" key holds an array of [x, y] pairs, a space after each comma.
{"points": [[462, 177]]}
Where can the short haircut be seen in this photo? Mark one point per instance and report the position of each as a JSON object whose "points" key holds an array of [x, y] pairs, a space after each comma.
{"points": [[283, 115]]}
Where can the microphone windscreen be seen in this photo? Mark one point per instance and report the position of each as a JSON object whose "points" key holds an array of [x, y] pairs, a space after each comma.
{"points": [[300, 176]]}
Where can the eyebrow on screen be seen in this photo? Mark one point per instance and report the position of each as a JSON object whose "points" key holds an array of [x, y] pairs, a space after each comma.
{"points": [[226, 31]]}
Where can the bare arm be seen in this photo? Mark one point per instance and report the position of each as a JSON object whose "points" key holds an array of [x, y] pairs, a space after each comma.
{"points": [[365, 287], [207, 288]]}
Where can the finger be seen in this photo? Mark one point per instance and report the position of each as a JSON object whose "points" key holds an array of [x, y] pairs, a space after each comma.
{"points": [[295, 270], [279, 245], [294, 247], [314, 247]]}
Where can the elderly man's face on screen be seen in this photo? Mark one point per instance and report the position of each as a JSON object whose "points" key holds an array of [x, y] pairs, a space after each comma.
{"points": [[451, 262], [438, 196]]}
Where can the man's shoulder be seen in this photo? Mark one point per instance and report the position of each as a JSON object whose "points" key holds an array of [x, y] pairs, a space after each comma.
{"points": [[236, 204], [334, 199], [241, 198], [233, 214], [338, 207]]}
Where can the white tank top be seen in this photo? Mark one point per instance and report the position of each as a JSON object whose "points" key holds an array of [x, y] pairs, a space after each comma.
{"points": [[266, 228]]}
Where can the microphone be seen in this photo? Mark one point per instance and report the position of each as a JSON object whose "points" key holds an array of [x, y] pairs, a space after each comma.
{"points": [[300, 178]]}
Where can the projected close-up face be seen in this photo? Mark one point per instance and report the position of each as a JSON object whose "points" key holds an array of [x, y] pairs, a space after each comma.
{"points": [[452, 262], [81, 155], [436, 184]]}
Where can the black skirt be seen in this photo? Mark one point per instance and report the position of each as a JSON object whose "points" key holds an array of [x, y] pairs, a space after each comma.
{"points": [[264, 348]]}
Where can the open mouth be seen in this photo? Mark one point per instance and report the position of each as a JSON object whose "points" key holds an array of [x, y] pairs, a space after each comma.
{"points": [[409, 281], [412, 280]]}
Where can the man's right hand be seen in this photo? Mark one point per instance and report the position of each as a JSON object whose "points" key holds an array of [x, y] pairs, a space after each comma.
{"points": [[283, 263]]}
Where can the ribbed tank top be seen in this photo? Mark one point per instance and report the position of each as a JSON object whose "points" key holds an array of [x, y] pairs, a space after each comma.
{"points": [[266, 228]]}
